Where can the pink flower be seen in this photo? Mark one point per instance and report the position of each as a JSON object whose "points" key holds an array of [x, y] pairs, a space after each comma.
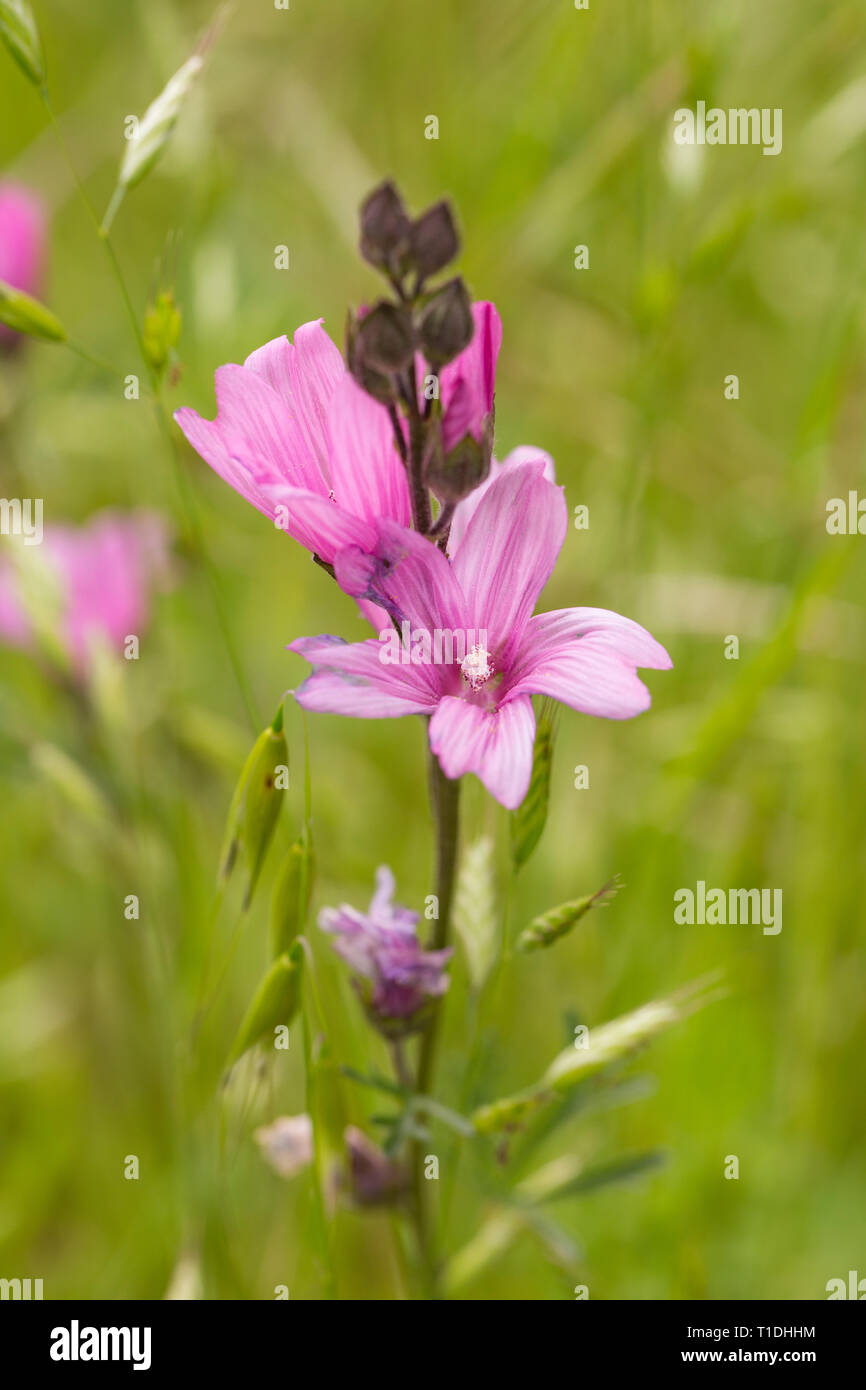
{"points": [[382, 946], [22, 244], [299, 440], [90, 583], [304, 444], [479, 702]]}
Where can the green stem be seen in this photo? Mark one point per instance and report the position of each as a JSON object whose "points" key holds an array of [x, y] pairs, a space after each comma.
{"points": [[445, 804]]}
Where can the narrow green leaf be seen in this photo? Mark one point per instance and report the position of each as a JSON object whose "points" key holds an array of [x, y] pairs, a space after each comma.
{"points": [[21, 36], [474, 914], [528, 821], [26, 315]]}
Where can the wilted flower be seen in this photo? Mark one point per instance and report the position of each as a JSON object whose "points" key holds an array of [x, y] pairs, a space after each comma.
{"points": [[22, 245], [286, 1144], [479, 700], [374, 1178], [83, 585], [382, 946]]}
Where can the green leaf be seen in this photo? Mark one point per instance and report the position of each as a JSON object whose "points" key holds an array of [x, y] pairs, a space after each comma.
{"points": [[605, 1174], [26, 315], [274, 1004], [474, 913], [528, 821], [19, 33]]}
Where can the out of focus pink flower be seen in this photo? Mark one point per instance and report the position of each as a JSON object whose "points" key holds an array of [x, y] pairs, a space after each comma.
{"points": [[83, 585], [22, 244]]}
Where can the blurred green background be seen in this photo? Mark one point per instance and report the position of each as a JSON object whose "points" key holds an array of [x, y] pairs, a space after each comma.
{"points": [[706, 520]]}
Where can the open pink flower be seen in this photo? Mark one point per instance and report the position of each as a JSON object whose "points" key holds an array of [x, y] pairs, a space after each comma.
{"points": [[299, 440], [304, 444], [479, 701], [22, 244], [86, 584]]}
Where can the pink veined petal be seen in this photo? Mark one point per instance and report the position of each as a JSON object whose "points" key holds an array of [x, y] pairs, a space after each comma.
{"points": [[496, 744], [476, 364], [316, 369], [373, 614], [367, 475], [352, 678], [465, 510], [408, 576], [317, 522], [586, 657], [547, 633], [272, 362], [22, 243], [253, 439], [508, 552]]}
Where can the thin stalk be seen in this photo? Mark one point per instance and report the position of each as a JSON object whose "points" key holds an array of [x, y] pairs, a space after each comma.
{"points": [[445, 805]]}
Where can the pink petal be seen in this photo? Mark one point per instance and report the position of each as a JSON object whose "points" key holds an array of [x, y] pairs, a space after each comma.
{"points": [[466, 385], [22, 243], [317, 522], [352, 678], [508, 552], [496, 744], [586, 657], [367, 474], [408, 576], [316, 369], [253, 440], [524, 453]]}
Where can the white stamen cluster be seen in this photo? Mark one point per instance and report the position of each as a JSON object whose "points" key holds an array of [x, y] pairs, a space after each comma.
{"points": [[475, 667]]}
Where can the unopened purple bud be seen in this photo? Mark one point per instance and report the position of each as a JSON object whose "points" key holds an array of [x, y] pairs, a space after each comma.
{"points": [[434, 240], [454, 475], [446, 324], [385, 338], [381, 387], [385, 228]]}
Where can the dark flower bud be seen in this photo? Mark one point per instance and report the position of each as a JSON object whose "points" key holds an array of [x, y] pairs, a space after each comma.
{"points": [[434, 240], [454, 475], [376, 384], [374, 1179], [446, 326], [386, 338], [385, 228]]}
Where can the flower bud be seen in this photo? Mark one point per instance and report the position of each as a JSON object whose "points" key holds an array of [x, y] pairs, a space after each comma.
{"points": [[446, 323], [434, 241], [256, 803], [454, 475], [291, 897], [385, 228], [376, 384], [385, 338], [274, 1004], [19, 33], [26, 315], [374, 1178], [161, 330]]}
